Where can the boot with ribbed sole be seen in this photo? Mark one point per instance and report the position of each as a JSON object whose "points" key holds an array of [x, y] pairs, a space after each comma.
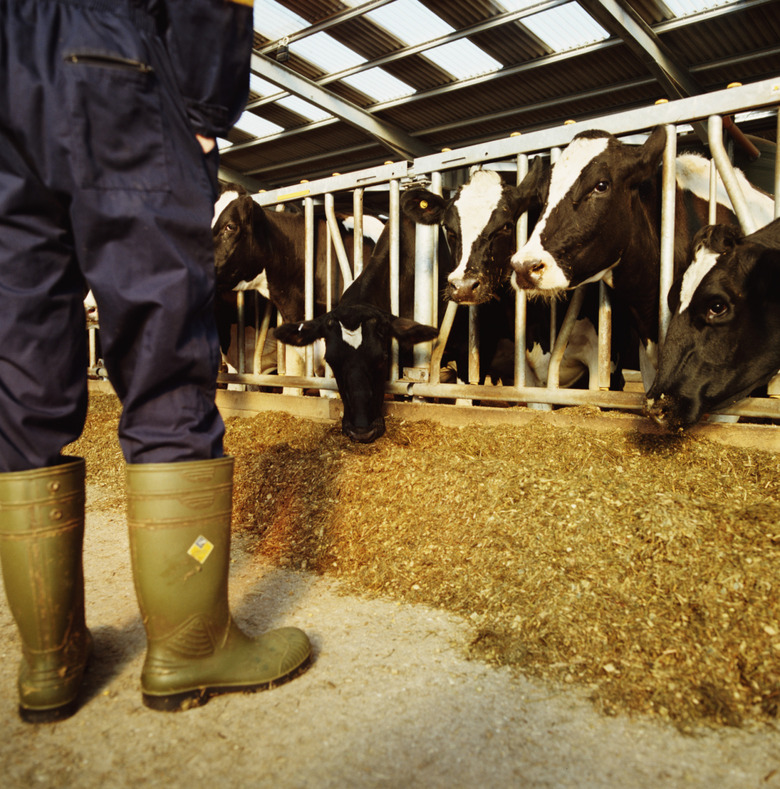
{"points": [[41, 537], [179, 522]]}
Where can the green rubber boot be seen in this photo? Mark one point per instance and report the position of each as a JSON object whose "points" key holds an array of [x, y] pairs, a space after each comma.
{"points": [[179, 521], [41, 536]]}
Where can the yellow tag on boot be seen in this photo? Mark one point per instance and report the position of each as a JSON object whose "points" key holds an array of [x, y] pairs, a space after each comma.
{"points": [[201, 549]]}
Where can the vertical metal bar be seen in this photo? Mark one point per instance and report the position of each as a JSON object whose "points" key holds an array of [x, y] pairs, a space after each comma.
{"points": [[424, 287], [92, 337], [473, 345], [726, 170], [241, 331], [261, 336], [668, 197], [712, 208], [777, 168], [357, 215], [441, 341], [555, 154], [395, 266], [556, 357], [338, 241], [605, 339], [773, 387], [437, 187], [329, 269], [520, 295], [281, 349], [308, 273]]}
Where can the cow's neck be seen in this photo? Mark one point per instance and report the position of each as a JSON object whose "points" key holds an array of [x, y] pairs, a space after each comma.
{"points": [[635, 278]]}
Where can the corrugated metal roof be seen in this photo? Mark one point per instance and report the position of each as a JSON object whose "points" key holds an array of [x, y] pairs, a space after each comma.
{"points": [[455, 72]]}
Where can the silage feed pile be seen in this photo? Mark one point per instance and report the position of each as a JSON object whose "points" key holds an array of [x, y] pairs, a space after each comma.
{"points": [[643, 567]]}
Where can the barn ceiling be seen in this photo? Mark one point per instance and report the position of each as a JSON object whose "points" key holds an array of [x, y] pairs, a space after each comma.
{"points": [[340, 85]]}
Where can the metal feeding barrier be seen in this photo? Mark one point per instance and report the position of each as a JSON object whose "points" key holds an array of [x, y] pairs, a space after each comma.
{"points": [[422, 382]]}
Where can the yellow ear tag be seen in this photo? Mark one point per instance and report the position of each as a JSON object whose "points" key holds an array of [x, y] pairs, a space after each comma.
{"points": [[201, 549], [423, 203]]}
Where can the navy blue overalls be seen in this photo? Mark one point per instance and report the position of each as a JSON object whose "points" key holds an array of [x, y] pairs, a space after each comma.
{"points": [[103, 182]]}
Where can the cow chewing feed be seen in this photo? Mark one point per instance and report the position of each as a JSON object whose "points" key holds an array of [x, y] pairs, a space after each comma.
{"points": [[601, 220], [357, 346], [723, 339]]}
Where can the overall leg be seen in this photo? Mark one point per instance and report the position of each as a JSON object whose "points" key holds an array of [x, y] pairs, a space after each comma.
{"points": [[142, 230], [43, 392]]}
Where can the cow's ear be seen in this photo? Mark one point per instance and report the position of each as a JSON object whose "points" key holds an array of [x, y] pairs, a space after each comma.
{"points": [[303, 333], [257, 216], [647, 158], [532, 190], [422, 206], [409, 332]]}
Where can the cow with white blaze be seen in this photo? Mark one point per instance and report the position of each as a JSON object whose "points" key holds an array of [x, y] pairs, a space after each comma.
{"points": [[723, 339], [479, 222], [602, 221]]}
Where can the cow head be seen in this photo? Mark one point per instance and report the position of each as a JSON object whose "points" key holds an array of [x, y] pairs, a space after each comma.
{"points": [[479, 222], [239, 233], [723, 339], [357, 345], [586, 221]]}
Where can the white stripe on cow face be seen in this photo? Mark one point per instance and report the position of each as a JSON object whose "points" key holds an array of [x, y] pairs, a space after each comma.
{"points": [[703, 261], [567, 170], [477, 201], [222, 203], [353, 337]]}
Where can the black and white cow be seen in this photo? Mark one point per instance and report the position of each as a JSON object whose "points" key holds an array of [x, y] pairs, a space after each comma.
{"points": [[601, 220], [479, 222], [357, 334], [256, 248], [723, 339]]}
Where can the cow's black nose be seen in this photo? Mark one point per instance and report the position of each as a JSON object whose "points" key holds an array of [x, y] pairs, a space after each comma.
{"points": [[466, 290]]}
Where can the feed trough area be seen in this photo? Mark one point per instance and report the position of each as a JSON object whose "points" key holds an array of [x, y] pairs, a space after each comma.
{"points": [[644, 567]]}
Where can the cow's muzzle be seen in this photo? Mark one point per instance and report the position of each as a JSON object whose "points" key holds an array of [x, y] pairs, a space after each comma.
{"points": [[666, 411], [364, 435], [468, 290]]}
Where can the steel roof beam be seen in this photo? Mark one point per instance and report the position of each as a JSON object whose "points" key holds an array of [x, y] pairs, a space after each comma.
{"points": [[392, 137], [620, 19]]}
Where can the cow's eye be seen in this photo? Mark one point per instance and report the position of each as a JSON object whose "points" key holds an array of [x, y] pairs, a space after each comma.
{"points": [[231, 227], [601, 187], [717, 309], [509, 227]]}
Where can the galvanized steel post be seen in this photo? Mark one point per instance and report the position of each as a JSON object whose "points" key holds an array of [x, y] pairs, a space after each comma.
{"points": [[668, 197]]}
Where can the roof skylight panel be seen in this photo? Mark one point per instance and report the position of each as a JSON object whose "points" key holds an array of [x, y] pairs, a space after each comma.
{"points": [[257, 126], [326, 53], [377, 84], [304, 108], [565, 27], [413, 24], [262, 87], [462, 59], [683, 8], [410, 22], [274, 21]]}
